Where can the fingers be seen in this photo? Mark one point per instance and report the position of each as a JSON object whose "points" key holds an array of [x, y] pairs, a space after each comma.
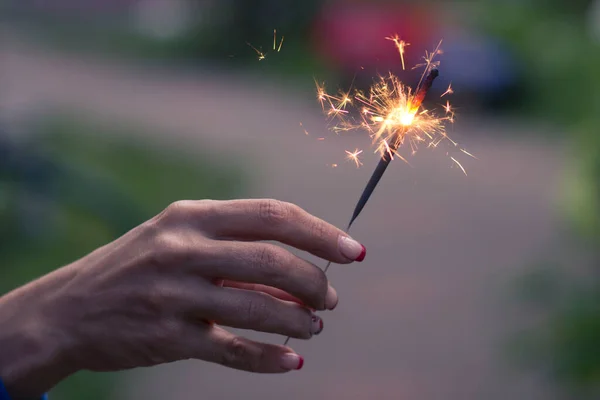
{"points": [[261, 312], [283, 222], [277, 293], [270, 265], [237, 352]]}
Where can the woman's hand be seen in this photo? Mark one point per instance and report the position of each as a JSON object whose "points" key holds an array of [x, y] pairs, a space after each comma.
{"points": [[163, 291]]}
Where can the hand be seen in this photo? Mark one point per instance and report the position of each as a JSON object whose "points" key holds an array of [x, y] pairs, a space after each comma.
{"points": [[159, 293]]}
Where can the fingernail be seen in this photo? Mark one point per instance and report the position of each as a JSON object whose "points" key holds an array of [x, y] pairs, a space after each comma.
{"points": [[317, 325], [351, 249], [362, 254], [331, 299], [291, 361]]}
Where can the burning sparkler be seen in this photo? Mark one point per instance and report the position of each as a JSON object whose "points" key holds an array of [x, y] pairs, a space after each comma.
{"points": [[392, 114]]}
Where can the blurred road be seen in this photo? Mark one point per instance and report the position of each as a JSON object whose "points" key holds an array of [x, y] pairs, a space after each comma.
{"points": [[426, 315]]}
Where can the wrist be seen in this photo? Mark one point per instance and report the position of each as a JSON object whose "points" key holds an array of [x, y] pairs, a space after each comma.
{"points": [[33, 353]]}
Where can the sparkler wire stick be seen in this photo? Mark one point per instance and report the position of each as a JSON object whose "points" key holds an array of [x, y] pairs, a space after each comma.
{"points": [[386, 158]]}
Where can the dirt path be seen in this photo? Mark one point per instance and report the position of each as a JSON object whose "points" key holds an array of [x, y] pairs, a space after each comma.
{"points": [[425, 316]]}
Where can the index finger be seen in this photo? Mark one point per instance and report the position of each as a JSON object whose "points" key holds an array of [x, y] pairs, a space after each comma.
{"points": [[267, 219]]}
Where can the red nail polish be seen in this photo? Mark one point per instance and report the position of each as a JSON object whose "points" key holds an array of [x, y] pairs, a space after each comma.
{"points": [[320, 325], [362, 254], [300, 363]]}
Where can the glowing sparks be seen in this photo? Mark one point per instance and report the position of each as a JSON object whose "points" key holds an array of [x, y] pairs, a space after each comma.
{"points": [[305, 131], [448, 108], [469, 154], [275, 47], [261, 55], [400, 45], [391, 112], [448, 91], [354, 156], [459, 164]]}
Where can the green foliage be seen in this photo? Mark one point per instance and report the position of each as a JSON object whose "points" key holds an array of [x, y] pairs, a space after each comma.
{"points": [[560, 63], [565, 344]]}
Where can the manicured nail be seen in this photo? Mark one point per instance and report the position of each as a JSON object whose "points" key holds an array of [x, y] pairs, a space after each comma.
{"points": [[331, 299], [351, 249], [362, 254], [291, 361], [317, 325]]}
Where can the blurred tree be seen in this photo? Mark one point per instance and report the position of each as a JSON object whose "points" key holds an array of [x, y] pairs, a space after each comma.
{"points": [[562, 86]]}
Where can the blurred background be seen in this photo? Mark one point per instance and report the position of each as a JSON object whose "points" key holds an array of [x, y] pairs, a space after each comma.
{"points": [[477, 287]]}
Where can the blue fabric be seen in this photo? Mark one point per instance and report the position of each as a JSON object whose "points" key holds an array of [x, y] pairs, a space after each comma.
{"points": [[4, 394]]}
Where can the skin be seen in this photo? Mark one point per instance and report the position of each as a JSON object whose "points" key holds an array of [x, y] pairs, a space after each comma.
{"points": [[167, 290]]}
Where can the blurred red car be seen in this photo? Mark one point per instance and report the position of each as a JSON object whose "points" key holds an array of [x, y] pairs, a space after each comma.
{"points": [[350, 36]]}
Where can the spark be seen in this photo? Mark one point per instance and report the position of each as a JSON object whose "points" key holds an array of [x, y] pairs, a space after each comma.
{"points": [[459, 164], [400, 45], [448, 91], [275, 47], [392, 113], [448, 108], [469, 154], [305, 131], [354, 156], [261, 55]]}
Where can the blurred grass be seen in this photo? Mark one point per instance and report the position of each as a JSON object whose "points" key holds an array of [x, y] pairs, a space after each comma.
{"points": [[98, 163], [553, 42]]}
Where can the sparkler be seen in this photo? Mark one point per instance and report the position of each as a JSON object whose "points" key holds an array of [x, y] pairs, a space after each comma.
{"points": [[392, 114]]}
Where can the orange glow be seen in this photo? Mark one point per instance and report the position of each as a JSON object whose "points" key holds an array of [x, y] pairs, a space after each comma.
{"points": [[391, 112]]}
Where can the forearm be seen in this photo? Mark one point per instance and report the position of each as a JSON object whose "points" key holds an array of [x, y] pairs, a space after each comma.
{"points": [[32, 352]]}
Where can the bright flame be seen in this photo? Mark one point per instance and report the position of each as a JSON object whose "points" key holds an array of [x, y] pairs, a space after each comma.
{"points": [[390, 111]]}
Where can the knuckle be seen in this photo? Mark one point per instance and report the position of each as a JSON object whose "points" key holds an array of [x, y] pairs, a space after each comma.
{"points": [[207, 209], [270, 262], [274, 212], [268, 258], [241, 354], [256, 310], [178, 209], [319, 231]]}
